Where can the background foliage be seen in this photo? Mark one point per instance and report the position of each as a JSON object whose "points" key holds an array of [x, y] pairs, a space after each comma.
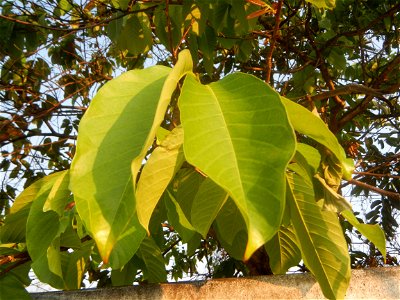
{"points": [[340, 60]]}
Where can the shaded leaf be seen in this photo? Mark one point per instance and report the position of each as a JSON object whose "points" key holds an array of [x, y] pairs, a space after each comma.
{"points": [[283, 250], [154, 261], [208, 201]]}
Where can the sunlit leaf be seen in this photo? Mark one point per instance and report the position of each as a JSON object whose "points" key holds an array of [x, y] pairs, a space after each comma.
{"points": [[307, 123], [320, 239], [158, 171], [111, 134], [372, 232], [237, 133]]}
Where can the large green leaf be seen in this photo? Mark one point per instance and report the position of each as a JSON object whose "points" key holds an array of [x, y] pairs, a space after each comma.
{"points": [[238, 134], [320, 238], [305, 122], [158, 171], [373, 232], [283, 251], [111, 134]]}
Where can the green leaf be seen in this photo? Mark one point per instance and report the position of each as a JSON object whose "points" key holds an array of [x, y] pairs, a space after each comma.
{"points": [[207, 43], [208, 201], [74, 265], [132, 34], [311, 155], [152, 257], [237, 133], [12, 288], [320, 239], [182, 67], [231, 230], [185, 187], [372, 232], [126, 275], [229, 221], [283, 250], [305, 122], [331, 199], [111, 134], [323, 3], [44, 251], [178, 220], [14, 229], [158, 171], [57, 199]]}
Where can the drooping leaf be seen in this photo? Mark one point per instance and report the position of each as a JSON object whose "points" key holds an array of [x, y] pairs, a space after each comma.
{"points": [[74, 265], [111, 134], [178, 220], [158, 171], [231, 230], [320, 238], [208, 201], [12, 288], [154, 261], [307, 123], [331, 199], [283, 250], [373, 232], [126, 275], [14, 229], [237, 133], [182, 67], [185, 187]]}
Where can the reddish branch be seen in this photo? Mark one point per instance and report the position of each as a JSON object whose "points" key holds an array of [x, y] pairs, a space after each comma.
{"points": [[391, 195]]}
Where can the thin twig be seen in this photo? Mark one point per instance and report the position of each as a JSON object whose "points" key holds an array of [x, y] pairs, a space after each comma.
{"points": [[273, 41]]}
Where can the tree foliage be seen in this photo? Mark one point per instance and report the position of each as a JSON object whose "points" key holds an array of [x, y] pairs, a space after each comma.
{"points": [[237, 144]]}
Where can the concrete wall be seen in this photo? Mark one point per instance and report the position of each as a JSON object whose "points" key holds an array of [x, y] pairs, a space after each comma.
{"points": [[376, 283]]}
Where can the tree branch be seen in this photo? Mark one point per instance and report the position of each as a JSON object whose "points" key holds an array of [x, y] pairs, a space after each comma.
{"points": [[391, 195], [347, 89]]}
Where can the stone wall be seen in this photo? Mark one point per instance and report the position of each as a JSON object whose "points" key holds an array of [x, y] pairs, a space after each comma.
{"points": [[376, 283]]}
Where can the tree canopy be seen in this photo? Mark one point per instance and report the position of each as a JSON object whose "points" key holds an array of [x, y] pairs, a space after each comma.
{"points": [[232, 127]]}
